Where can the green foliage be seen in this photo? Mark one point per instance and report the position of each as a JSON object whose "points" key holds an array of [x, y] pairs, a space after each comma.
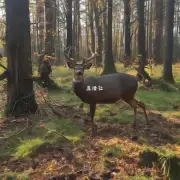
{"points": [[167, 160], [27, 147], [50, 135], [65, 126], [170, 167], [161, 101], [158, 99]]}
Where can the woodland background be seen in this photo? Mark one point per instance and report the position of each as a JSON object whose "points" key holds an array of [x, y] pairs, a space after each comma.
{"points": [[41, 129]]}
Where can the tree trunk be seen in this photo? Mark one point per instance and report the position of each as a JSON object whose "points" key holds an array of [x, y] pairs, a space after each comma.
{"points": [[49, 41], [87, 28], [40, 21], [99, 34], [141, 34], [54, 26], [105, 28], [150, 30], [75, 29], [91, 20], [20, 93], [158, 31], [109, 66], [167, 69], [127, 14], [58, 39], [147, 25], [78, 28], [69, 25]]}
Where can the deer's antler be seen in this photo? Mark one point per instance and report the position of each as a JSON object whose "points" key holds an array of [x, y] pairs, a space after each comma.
{"points": [[93, 55], [67, 54]]}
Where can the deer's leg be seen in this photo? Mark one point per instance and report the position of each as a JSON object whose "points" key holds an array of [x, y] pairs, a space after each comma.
{"points": [[92, 113], [143, 107], [133, 104]]}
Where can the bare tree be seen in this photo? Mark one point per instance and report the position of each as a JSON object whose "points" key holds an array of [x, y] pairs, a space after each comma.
{"points": [[150, 37], [69, 25], [40, 21], [50, 34], [109, 66], [99, 32], [158, 31], [127, 14], [167, 69], [141, 34], [91, 20], [20, 96]]}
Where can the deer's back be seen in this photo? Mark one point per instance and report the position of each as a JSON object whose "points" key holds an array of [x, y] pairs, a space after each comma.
{"points": [[114, 87]]}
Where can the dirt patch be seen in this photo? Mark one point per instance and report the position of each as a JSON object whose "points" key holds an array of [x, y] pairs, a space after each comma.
{"points": [[86, 157]]}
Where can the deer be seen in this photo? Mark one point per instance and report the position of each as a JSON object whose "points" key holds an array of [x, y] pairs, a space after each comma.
{"points": [[115, 87]]}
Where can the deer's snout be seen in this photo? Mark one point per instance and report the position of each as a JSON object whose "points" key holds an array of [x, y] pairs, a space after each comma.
{"points": [[79, 73]]}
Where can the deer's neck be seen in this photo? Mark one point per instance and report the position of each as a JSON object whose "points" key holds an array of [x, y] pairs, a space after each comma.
{"points": [[79, 88]]}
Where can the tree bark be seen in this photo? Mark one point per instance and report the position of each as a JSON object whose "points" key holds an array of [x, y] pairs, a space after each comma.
{"points": [[141, 34], [59, 61], [167, 69], [87, 28], [79, 38], [99, 34], [150, 30], [109, 66], [91, 20], [49, 41], [69, 25], [158, 31], [127, 13], [20, 93], [40, 21], [105, 28]]}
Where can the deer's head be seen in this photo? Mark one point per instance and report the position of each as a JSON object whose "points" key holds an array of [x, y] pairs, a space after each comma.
{"points": [[79, 66]]}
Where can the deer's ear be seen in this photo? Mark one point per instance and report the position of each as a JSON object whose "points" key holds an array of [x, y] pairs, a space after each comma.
{"points": [[70, 64], [87, 66]]}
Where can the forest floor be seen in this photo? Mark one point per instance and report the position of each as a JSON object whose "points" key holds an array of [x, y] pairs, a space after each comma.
{"points": [[51, 145]]}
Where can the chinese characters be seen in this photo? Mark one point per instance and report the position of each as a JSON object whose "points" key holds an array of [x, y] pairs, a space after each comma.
{"points": [[94, 88]]}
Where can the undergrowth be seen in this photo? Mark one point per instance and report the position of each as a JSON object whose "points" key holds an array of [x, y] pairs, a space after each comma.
{"points": [[163, 100]]}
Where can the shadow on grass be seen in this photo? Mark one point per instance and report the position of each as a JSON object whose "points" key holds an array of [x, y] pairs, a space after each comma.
{"points": [[22, 144], [114, 122]]}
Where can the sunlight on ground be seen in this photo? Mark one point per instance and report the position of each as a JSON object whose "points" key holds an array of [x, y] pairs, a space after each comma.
{"points": [[164, 102]]}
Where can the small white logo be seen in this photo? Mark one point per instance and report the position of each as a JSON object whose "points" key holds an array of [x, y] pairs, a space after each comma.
{"points": [[94, 88]]}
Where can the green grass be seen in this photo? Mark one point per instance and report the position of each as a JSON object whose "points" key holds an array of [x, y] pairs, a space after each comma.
{"points": [[50, 135], [118, 116], [165, 159], [27, 147], [161, 151], [65, 126], [114, 151], [158, 100], [24, 144]]}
